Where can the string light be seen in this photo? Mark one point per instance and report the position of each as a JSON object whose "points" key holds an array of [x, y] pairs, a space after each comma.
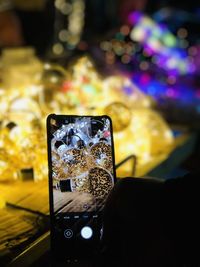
{"points": [[69, 23], [58, 48], [182, 33], [144, 65], [126, 59]]}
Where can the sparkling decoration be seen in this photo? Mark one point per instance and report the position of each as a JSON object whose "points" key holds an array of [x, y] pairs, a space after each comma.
{"points": [[40, 89]]}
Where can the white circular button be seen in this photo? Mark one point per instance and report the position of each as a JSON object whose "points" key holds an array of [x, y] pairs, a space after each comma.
{"points": [[68, 233], [86, 232]]}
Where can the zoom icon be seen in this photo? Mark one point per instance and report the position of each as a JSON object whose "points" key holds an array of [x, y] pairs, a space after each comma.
{"points": [[68, 233]]}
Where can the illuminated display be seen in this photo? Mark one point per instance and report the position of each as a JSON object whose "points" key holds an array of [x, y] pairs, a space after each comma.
{"points": [[81, 155]]}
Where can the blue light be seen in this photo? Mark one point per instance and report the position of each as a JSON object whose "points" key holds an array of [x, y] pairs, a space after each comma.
{"points": [[198, 109]]}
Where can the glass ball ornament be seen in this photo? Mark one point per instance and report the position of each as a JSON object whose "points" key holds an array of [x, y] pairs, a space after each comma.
{"points": [[160, 134], [53, 75], [120, 115], [52, 79], [134, 140]]}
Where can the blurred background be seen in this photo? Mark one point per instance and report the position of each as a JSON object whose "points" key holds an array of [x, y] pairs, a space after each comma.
{"points": [[134, 60]]}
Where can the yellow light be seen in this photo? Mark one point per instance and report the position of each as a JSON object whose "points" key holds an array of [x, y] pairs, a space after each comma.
{"points": [[2, 203], [106, 46], [58, 49], [66, 8], [120, 114], [63, 35], [126, 143], [58, 3]]}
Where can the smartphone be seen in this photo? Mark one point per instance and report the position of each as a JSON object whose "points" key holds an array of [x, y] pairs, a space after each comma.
{"points": [[81, 175]]}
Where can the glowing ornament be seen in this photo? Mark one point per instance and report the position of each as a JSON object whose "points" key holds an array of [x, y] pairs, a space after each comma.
{"points": [[121, 89], [25, 109], [159, 132], [120, 115], [20, 68], [52, 79], [53, 76]]}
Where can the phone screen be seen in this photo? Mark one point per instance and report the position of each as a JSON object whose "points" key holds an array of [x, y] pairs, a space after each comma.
{"points": [[81, 175]]}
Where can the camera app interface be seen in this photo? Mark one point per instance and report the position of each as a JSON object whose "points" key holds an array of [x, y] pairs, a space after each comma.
{"points": [[82, 164]]}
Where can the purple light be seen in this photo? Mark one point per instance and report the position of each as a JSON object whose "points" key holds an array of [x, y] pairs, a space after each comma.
{"points": [[148, 51], [198, 93], [171, 93], [145, 79], [134, 17], [171, 79]]}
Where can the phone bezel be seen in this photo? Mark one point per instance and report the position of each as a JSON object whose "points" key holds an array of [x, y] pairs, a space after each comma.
{"points": [[48, 127]]}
